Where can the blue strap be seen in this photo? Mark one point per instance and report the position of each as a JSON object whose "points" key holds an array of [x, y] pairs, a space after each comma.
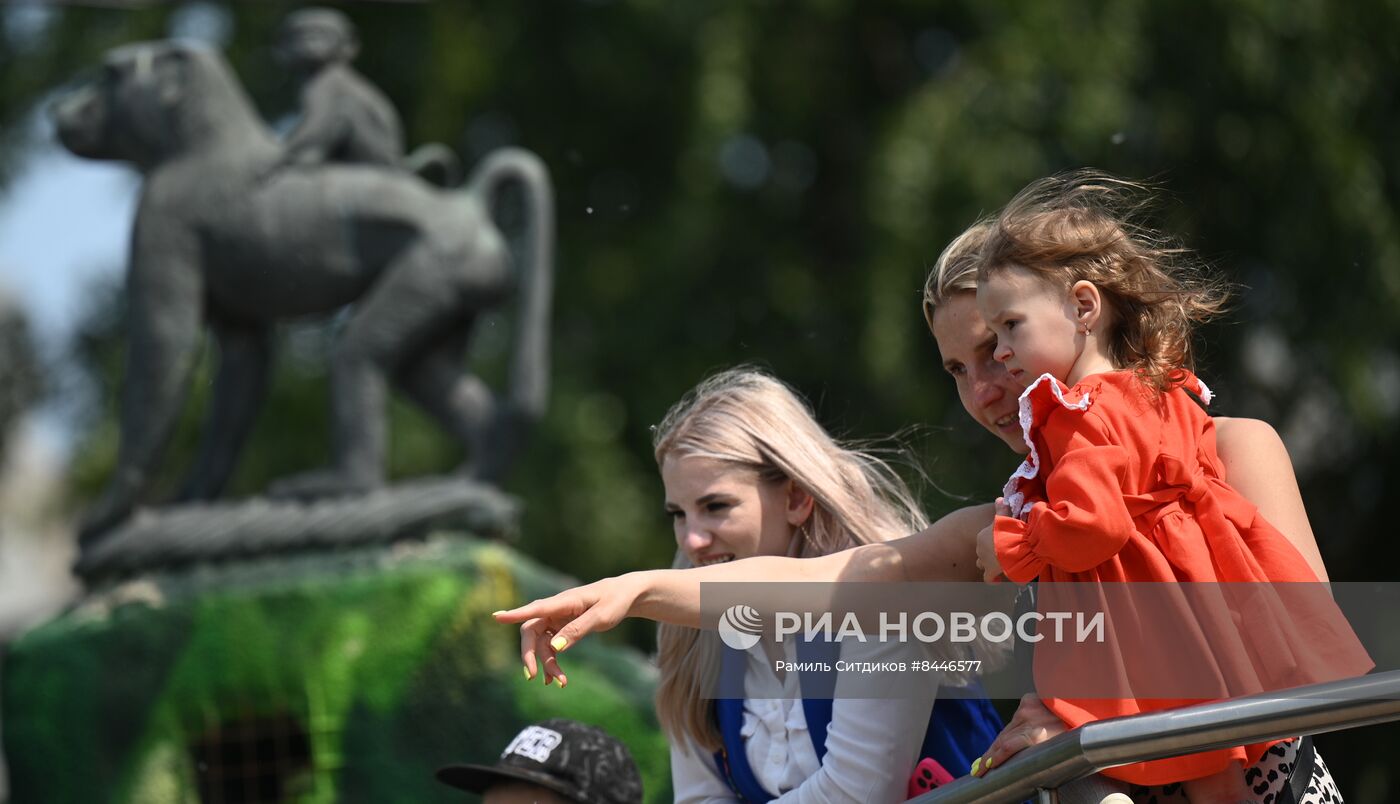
{"points": [[733, 759], [818, 688], [959, 730]]}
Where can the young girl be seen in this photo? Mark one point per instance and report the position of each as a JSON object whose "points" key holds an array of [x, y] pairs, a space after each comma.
{"points": [[748, 472], [1123, 483]]}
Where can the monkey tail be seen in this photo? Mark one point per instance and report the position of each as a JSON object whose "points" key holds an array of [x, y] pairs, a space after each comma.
{"points": [[528, 385]]}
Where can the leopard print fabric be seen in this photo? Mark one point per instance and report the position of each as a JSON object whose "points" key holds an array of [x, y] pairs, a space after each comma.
{"points": [[1268, 778]]}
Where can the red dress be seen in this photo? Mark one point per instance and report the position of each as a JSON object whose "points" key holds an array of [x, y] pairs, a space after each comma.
{"points": [[1123, 484]]}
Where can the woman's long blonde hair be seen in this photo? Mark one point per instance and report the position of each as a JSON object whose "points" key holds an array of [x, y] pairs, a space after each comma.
{"points": [[747, 419]]}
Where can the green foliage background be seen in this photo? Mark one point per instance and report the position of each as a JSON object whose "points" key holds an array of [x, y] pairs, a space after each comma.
{"points": [[392, 669], [886, 128]]}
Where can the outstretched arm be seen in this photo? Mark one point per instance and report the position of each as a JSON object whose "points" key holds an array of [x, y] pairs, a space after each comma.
{"points": [[945, 550]]}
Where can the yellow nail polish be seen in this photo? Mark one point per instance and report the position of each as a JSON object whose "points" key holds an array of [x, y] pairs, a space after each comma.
{"points": [[558, 643], [526, 670], [498, 613], [990, 762], [976, 765]]}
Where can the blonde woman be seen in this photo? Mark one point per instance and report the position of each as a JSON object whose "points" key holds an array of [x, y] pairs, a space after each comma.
{"points": [[748, 472]]}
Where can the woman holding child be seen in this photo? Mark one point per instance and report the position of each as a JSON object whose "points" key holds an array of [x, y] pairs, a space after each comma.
{"points": [[1072, 231]]}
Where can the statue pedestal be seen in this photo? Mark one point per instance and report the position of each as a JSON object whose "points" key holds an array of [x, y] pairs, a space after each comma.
{"points": [[174, 538], [303, 676]]}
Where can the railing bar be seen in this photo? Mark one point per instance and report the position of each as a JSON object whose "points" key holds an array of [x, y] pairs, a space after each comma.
{"points": [[1351, 703], [1190, 741], [1306, 710]]}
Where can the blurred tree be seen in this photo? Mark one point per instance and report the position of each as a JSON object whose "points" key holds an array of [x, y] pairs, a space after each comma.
{"points": [[767, 182], [20, 377], [754, 183]]}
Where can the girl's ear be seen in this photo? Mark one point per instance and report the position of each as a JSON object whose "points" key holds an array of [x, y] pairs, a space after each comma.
{"points": [[799, 504], [1088, 304]]}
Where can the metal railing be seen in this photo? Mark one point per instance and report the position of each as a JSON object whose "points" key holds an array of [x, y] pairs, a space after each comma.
{"points": [[1313, 709]]}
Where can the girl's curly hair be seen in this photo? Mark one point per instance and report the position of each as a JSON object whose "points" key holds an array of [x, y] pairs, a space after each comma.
{"points": [[1086, 225]]}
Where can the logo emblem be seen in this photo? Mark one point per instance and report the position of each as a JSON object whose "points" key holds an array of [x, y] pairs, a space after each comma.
{"points": [[535, 742], [740, 627]]}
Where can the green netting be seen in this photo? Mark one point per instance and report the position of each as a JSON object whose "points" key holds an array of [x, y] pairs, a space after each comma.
{"points": [[314, 686]]}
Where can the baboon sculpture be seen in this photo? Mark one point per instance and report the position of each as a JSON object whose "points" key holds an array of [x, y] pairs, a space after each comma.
{"points": [[220, 242]]}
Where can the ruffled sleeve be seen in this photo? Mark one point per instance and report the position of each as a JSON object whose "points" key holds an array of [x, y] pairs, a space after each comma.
{"points": [[1083, 468]]}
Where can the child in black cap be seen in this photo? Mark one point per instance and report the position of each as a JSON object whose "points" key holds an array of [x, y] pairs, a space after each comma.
{"points": [[553, 762]]}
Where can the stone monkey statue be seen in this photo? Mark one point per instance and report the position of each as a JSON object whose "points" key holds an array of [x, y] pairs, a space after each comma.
{"points": [[219, 242], [345, 118]]}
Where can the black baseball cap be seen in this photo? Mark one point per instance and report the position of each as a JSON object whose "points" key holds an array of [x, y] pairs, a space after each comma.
{"points": [[575, 760]]}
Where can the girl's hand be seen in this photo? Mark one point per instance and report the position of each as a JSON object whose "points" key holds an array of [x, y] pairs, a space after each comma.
{"points": [[1032, 724], [554, 624], [986, 547]]}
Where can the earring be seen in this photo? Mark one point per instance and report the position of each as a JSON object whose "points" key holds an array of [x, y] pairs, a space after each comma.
{"points": [[804, 532], [1086, 329]]}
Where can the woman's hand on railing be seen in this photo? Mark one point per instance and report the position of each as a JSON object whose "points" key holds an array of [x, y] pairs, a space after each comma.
{"points": [[551, 625], [1032, 724]]}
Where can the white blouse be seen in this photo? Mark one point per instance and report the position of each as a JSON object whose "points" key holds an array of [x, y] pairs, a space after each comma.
{"points": [[871, 745]]}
